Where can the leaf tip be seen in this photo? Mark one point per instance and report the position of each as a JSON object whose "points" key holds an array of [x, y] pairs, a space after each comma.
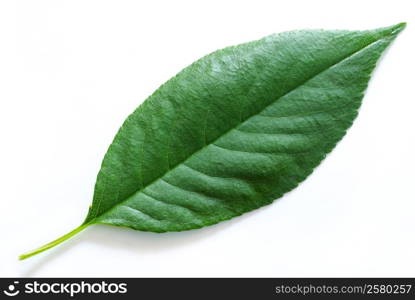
{"points": [[390, 32], [395, 29]]}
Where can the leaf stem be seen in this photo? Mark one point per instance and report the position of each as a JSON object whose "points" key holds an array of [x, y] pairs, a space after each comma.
{"points": [[53, 243]]}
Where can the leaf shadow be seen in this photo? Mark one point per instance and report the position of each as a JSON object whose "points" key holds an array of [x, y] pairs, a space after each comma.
{"points": [[125, 238]]}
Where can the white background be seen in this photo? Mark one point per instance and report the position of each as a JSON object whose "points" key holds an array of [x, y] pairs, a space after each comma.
{"points": [[71, 72]]}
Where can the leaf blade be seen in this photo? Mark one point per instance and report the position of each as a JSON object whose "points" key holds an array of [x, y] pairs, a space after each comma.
{"points": [[205, 175]]}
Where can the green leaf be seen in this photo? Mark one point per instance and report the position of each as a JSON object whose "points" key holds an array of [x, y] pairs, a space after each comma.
{"points": [[234, 131]]}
